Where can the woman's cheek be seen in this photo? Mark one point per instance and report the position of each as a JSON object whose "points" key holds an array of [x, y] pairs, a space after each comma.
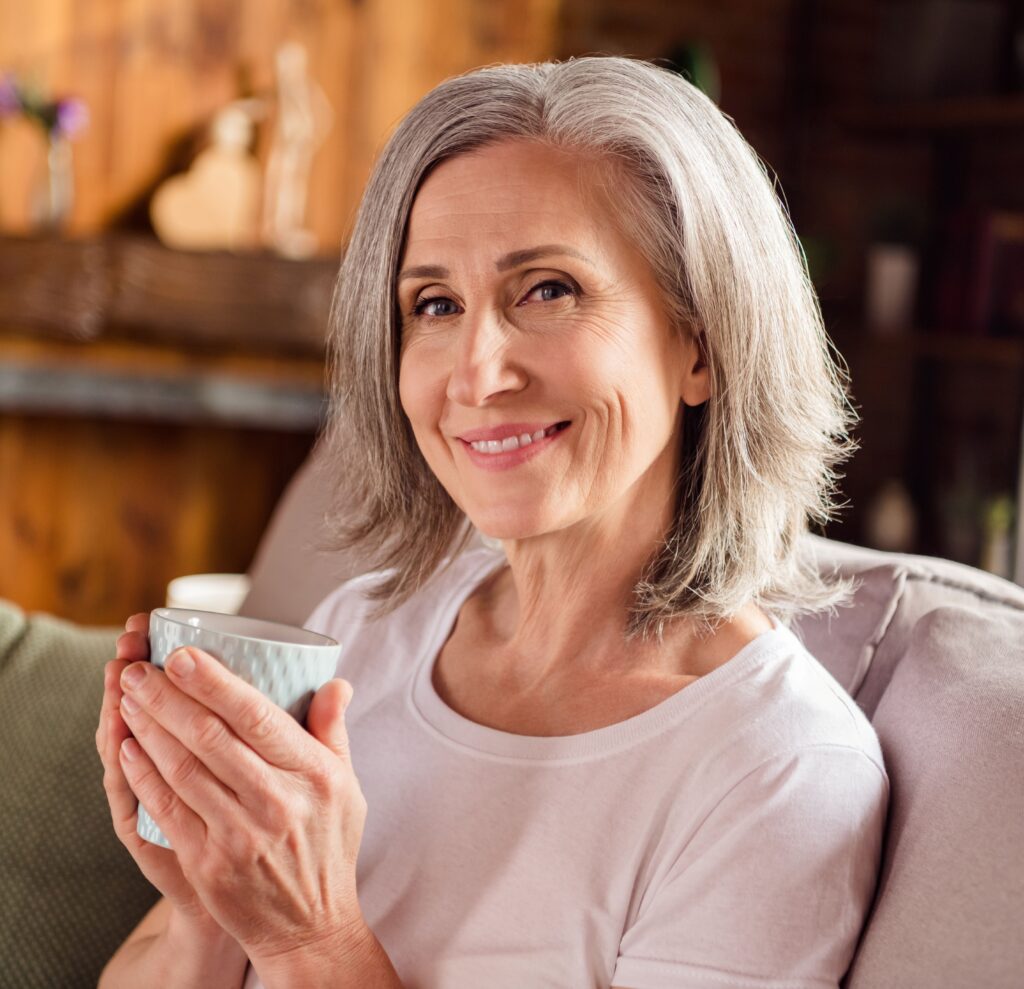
{"points": [[421, 395], [414, 383]]}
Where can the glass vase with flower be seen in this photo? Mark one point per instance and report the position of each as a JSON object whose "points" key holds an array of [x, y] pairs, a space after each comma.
{"points": [[52, 195]]}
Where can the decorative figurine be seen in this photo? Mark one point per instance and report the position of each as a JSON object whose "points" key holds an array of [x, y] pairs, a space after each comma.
{"points": [[215, 204], [304, 117]]}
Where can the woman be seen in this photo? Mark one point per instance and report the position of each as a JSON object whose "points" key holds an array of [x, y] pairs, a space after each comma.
{"points": [[588, 751]]}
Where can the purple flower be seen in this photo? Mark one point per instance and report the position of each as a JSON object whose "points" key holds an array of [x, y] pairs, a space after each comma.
{"points": [[10, 101], [72, 116]]}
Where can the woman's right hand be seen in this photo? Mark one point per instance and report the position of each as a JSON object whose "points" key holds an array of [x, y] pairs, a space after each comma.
{"points": [[158, 865]]}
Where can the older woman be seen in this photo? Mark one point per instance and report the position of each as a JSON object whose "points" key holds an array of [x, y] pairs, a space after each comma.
{"points": [[586, 750]]}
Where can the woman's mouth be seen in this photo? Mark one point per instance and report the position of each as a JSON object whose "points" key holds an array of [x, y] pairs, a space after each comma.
{"points": [[515, 442], [512, 450]]}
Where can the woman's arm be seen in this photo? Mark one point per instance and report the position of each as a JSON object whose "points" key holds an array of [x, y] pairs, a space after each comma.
{"points": [[167, 950]]}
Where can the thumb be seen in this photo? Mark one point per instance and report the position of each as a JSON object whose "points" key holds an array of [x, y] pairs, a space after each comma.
{"points": [[326, 717]]}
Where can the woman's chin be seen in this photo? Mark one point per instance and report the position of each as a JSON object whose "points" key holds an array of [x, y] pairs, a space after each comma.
{"points": [[506, 532], [509, 525]]}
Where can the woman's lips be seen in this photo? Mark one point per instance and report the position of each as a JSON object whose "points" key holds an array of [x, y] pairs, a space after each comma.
{"points": [[505, 430], [507, 459]]}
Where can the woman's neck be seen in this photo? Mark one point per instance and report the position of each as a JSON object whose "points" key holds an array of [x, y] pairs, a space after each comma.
{"points": [[562, 604]]}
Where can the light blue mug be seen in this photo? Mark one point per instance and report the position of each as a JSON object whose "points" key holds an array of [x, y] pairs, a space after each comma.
{"points": [[286, 663]]}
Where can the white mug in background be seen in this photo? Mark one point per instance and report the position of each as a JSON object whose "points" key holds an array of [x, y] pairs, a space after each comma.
{"points": [[220, 592]]}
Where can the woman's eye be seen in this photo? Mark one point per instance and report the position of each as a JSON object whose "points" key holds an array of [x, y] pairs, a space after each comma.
{"points": [[544, 286], [420, 308]]}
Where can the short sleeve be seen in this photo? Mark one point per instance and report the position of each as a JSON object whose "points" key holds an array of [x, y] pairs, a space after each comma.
{"points": [[772, 890]]}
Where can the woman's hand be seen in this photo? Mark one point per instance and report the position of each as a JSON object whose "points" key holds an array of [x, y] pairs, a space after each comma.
{"points": [[157, 864], [265, 818]]}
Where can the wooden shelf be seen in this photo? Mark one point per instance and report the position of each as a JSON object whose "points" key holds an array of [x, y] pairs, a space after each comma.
{"points": [[152, 383], [158, 359], [134, 288]]}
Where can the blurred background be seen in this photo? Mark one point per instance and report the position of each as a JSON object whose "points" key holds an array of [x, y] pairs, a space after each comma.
{"points": [[178, 177]]}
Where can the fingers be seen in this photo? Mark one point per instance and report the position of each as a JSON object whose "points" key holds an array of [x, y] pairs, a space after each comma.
{"points": [[194, 750], [183, 771], [133, 644], [111, 730], [270, 731], [138, 622], [110, 735]]}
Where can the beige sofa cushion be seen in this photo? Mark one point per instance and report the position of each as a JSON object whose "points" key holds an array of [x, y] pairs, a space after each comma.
{"points": [[950, 904]]}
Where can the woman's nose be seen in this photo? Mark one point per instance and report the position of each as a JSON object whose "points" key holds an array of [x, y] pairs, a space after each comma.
{"points": [[484, 364]]}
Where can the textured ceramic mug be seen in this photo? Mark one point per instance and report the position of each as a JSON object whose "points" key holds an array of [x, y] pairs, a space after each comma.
{"points": [[286, 663]]}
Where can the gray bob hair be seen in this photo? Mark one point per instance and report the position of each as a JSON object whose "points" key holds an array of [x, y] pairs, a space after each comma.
{"points": [[758, 458]]}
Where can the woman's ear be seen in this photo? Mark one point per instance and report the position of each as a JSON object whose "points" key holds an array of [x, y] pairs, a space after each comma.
{"points": [[696, 383]]}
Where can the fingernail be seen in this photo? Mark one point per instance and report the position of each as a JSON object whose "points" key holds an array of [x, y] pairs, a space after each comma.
{"points": [[181, 663], [129, 749], [130, 705], [133, 675]]}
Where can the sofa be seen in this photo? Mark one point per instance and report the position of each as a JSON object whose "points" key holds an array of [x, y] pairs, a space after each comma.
{"points": [[932, 651]]}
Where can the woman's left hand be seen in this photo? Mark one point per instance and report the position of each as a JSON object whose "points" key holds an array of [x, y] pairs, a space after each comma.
{"points": [[266, 818]]}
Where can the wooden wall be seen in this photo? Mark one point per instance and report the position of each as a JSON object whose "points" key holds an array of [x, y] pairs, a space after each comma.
{"points": [[152, 70], [97, 514], [100, 515]]}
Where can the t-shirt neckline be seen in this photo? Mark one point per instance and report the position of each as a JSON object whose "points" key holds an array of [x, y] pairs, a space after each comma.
{"points": [[455, 729]]}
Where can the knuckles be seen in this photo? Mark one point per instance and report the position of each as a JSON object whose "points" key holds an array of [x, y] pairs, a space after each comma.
{"points": [[183, 771], [208, 732], [111, 783], [322, 779], [152, 692], [258, 719], [278, 811], [160, 801]]}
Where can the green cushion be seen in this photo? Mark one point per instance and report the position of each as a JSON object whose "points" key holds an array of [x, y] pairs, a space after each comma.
{"points": [[69, 891]]}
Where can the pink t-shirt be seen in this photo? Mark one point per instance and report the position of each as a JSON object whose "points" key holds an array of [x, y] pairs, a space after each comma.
{"points": [[727, 837]]}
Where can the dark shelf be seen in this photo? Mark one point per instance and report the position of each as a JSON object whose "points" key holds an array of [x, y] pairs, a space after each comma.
{"points": [[925, 345], [132, 288], [977, 113]]}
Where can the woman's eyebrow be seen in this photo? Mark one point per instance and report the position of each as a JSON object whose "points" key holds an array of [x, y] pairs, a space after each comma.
{"points": [[510, 260]]}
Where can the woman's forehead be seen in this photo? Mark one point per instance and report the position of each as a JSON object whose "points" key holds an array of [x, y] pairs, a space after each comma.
{"points": [[511, 189]]}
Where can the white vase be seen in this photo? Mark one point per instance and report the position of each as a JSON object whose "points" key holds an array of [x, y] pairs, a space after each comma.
{"points": [[892, 271]]}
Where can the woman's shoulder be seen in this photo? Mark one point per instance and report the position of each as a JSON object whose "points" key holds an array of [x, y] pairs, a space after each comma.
{"points": [[831, 715], [781, 703]]}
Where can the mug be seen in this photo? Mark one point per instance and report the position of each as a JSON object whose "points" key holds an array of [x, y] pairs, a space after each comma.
{"points": [[286, 663], [223, 592]]}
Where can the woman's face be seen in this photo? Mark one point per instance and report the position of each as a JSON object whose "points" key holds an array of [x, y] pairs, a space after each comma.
{"points": [[532, 326]]}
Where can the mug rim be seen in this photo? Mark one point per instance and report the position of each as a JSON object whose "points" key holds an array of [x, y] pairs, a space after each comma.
{"points": [[175, 616]]}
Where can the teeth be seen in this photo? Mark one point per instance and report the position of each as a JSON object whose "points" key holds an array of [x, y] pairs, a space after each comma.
{"points": [[511, 442]]}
